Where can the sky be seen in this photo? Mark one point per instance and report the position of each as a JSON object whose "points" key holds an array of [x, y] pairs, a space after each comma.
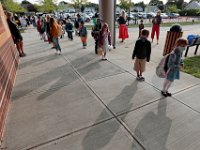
{"points": [[97, 1]]}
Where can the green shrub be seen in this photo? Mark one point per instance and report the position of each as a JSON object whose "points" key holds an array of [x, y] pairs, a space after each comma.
{"points": [[190, 12]]}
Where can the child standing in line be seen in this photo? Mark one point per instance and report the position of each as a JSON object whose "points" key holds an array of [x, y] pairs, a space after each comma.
{"points": [[95, 33], [69, 29], [83, 34], [174, 65], [141, 27], [142, 52], [104, 40], [61, 30]]}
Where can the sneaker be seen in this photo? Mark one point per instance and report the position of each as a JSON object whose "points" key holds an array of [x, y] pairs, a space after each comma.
{"points": [[138, 78], [58, 52], [142, 78], [22, 55], [168, 94], [164, 93]]}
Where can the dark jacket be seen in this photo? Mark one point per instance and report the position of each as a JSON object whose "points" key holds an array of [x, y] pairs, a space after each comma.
{"points": [[69, 27], [157, 20], [101, 38], [14, 30], [95, 31], [142, 49]]}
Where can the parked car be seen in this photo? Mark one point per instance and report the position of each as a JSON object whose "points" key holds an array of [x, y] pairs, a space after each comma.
{"points": [[164, 15], [130, 16], [173, 15], [142, 15], [90, 15], [150, 15], [85, 17]]}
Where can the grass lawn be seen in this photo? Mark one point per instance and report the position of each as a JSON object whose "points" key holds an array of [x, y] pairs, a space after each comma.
{"points": [[192, 66], [162, 25]]}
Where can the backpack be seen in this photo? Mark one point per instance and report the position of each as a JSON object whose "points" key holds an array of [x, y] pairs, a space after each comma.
{"points": [[162, 67], [60, 31]]}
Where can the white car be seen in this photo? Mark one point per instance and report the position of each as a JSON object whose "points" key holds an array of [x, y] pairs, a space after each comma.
{"points": [[85, 17], [90, 14], [164, 15]]}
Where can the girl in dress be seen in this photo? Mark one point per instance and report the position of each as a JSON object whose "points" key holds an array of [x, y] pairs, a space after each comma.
{"points": [[104, 40]]}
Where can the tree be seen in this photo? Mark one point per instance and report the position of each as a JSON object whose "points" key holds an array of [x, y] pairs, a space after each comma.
{"points": [[125, 4], [172, 8], [154, 2], [95, 6], [12, 6], [28, 6], [195, 1], [160, 5], [48, 6], [78, 4], [141, 4], [179, 4]]}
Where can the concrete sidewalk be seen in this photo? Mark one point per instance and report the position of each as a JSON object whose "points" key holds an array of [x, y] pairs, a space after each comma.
{"points": [[74, 101]]}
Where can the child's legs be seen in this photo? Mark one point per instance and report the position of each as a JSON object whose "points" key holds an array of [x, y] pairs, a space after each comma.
{"points": [[166, 85], [68, 34], [96, 45], [18, 47], [56, 43], [21, 46], [157, 32], [84, 41], [142, 63], [153, 32], [137, 66], [71, 35]]}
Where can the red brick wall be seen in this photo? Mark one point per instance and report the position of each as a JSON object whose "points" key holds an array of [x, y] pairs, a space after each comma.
{"points": [[8, 67]]}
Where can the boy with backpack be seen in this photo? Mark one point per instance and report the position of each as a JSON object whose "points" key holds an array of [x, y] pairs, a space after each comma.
{"points": [[142, 52]]}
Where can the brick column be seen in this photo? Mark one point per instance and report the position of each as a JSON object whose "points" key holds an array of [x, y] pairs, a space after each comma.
{"points": [[8, 67]]}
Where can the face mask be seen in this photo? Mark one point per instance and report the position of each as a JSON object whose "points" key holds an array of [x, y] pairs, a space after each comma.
{"points": [[181, 48]]}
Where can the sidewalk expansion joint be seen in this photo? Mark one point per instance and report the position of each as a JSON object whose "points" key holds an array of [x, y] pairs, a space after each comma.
{"points": [[185, 89], [135, 76], [176, 99], [102, 102], [61, 137]]}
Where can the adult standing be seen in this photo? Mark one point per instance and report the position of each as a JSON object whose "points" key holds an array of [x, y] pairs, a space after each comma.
{"points": [[123, 31], [16, 35], [54, 33], [156, 26]]}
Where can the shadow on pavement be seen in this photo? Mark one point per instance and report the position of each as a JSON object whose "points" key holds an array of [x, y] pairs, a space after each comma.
{"points": [[99, 136], [55, 79], [153, 129]]}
